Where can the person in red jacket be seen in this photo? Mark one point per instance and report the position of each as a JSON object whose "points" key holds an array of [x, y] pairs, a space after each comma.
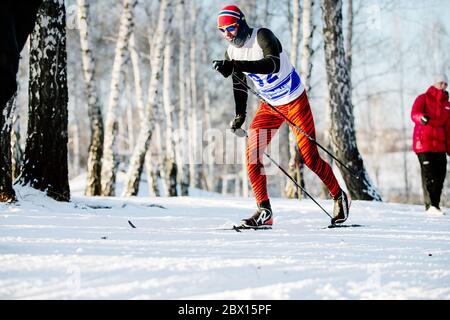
{"points": [[431, 140]]}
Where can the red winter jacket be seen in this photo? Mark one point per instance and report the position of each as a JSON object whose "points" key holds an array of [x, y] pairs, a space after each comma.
{"points": [[435, 135]]}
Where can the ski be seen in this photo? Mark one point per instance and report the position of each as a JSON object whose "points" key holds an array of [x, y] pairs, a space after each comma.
{"points": [[240, 228], [333, 226], [233, 228]]}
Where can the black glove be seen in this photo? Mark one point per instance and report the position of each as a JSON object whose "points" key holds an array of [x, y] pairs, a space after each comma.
{"points": [[237, 122], [424, 119], [225, 67]]}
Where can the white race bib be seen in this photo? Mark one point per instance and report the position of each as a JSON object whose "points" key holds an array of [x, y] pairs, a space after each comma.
{"points": [[276, 88]]}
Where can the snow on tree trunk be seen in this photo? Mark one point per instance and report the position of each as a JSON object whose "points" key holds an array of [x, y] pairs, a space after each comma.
{"points": [[342, 130], [183, 140], [152, 107], [16, 149], [94, 166], [170, 165], [7, 193], [110, 161], [45, 160]]}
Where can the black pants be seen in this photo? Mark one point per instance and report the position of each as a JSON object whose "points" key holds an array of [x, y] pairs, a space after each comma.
{"points": [[434, 168]]}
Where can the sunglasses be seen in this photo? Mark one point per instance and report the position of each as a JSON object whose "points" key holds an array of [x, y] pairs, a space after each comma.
{"points": [[229, 28]]}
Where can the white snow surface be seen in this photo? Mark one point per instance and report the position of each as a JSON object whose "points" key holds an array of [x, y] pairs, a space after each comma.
{"points": [[86, 249]]}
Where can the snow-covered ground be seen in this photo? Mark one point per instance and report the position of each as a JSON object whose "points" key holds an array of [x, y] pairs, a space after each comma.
{"points": [[86, 249]]}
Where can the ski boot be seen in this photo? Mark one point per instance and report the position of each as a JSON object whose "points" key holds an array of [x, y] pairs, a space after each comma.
{"points": [[435, 211], [261, 219], [341, 208]]}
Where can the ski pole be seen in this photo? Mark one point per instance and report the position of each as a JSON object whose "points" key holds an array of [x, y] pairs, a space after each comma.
{"points": [[295, 126], [242, 133]]}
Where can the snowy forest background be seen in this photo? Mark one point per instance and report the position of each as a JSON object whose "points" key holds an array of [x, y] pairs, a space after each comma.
{"points": [[395, 49]]}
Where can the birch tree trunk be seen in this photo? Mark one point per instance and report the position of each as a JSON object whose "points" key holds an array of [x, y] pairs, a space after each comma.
{"points": [[130, 119], [244, 173], [140, 105], [249, 8], [406, 150], [325, 194], [342, 121], [151, 110], [152, 171], [398, 41], [295, 31], [170, 165], [160, 151], [45, 161], [109, 165], [7, 193], [296, 164], [266, 13], [75, 141], [207, 112], [137, 77], [183, 141], [349, 39], [196, 127], [94, 164], [308, 28]]}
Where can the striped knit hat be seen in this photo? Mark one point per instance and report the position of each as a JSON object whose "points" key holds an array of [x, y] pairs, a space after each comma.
{"points": [[229, 15]]}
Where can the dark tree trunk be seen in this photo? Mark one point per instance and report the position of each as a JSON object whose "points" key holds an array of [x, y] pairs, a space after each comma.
{"points": [[6, 190], [45, 160], [17, 19], [342, 132]]}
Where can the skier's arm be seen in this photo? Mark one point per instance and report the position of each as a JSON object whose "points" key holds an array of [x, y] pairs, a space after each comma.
{"points": [[271, 48], [239, 91]]}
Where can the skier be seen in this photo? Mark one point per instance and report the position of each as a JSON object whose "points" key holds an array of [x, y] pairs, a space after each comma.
{"points": [[431, 140], [258, 54]]}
